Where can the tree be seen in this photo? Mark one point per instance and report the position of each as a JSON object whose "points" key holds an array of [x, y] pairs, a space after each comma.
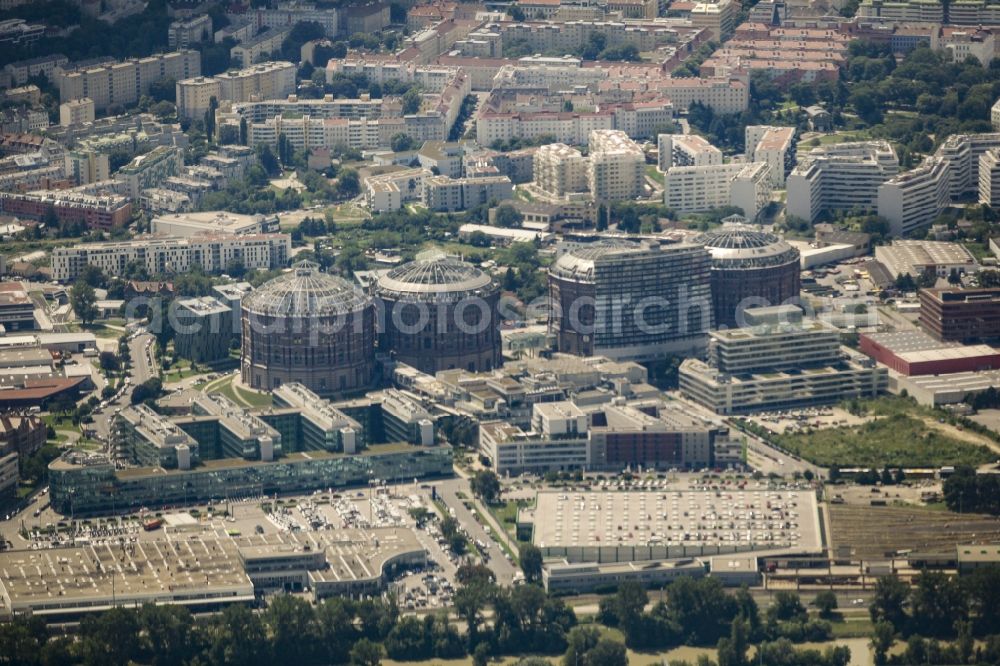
{"points": [[607, 652], [348, 183], [732, 651], [213, 104], [163, 89], [366, 653], [580, 640], [508, 217], [84, 302], [290, 620], [937, 602], [486, 486], [826, 602], [786, 606], [148, 390], [883, 636], [412, 101], [470, 601], [531, 562], [889, 600], [401, 142]]}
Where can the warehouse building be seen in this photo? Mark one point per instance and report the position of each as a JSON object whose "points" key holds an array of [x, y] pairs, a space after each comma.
{"points": [[917, 353]]}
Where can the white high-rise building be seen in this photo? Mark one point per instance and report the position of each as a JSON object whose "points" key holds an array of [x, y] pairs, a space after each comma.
{"points": [[560, 170], [268, 80], [617, 166], [989, 178], [123, 83], [774, 145], [842, 176], [912, 200]]}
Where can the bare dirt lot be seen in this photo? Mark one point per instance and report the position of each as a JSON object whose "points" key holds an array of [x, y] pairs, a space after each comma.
{"points": [[873, 531]]}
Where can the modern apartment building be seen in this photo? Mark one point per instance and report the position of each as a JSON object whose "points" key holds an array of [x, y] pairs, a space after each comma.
{"points": [[963, 152], [287, 14], [631, 301], [323, 426], [686, 150], [913, 199], [150, 170], [774, 145], [145, 438], [267, 80], [123, 83], [617, 166], [698, 188], [213, 253], [445, 194], [718, 17], [989, 178], [203, 329], [560, 170], [265, 44], [76, 111], [84, 166], [96, 211], [778, 362], [185, 33], [842, 176]]}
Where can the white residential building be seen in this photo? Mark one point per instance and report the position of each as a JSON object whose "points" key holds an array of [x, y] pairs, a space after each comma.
{"points": [[213, 253], [617, 166], [774, 145], [185, 33], [123, 83], [265, 45], [843, 176], [699, 188], [989, 178], [912, 200], [686, 150], [150, 170], [454, 194], [86, 166], [76, 111], [388, 192], [751, 189], [267, 80], [560, 170]]}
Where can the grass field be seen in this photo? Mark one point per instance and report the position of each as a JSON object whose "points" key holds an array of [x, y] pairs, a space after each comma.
{"points": [[899, 440], [250, 399], [900, 434], [873, 531], [654, 173]]}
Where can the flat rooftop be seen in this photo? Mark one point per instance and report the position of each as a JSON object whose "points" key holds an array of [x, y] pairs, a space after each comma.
{"points": [[187, 565], [761, 519]]}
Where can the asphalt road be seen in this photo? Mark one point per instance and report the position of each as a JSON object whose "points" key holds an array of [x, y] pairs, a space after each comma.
{"points": [[447, 489], [143, 368]]}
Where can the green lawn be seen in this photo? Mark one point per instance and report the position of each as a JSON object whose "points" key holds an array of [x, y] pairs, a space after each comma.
{"points": [[250, 399], [899, 440], [654, 173]]}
